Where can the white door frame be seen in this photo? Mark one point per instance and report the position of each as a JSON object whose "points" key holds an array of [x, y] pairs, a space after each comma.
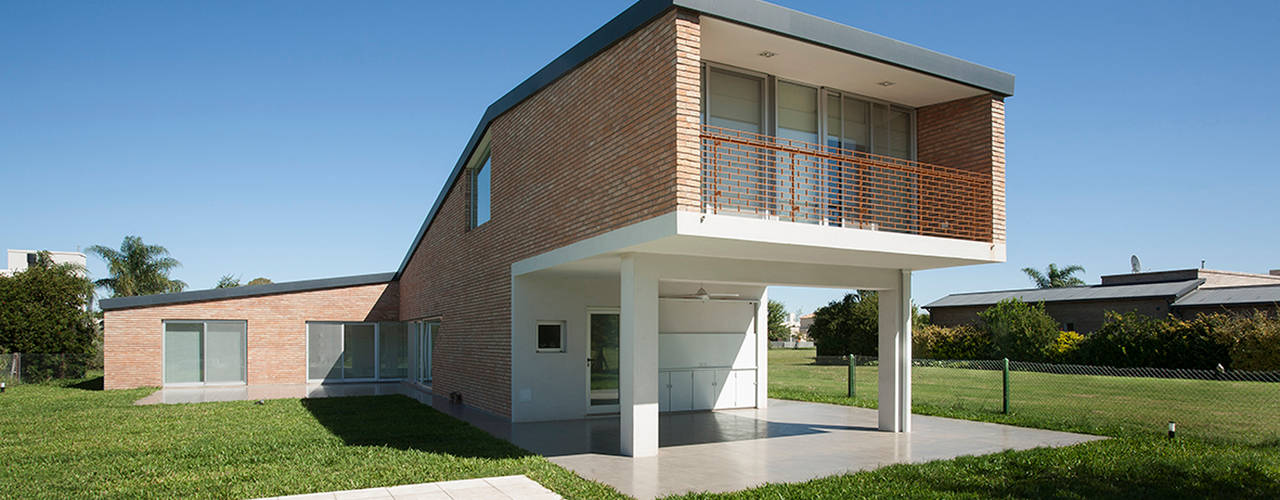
{"points": [[614, 408]]}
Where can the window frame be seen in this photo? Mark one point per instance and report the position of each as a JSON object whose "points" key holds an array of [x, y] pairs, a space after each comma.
{"points": [[537, 337], [204, 361], [475, 167]]}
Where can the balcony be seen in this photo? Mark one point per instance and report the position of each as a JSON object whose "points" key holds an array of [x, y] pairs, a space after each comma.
{"points": [[754, 175]]}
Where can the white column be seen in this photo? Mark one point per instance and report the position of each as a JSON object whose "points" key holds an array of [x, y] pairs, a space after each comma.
{"points": [[895, 356], [762, 350], [638, 357]]}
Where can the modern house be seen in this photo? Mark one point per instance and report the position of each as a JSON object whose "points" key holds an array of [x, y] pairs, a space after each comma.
{"points": [[20, 260], [607, 236], [1184, 293]]}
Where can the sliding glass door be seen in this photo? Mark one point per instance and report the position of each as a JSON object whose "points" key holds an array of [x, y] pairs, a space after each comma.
{"points": [[423, 337], [204, 352], [356, 352]]}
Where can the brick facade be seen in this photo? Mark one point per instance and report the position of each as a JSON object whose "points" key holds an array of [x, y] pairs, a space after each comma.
{"points": [[276, 331], [968, 134], [594, 151]]}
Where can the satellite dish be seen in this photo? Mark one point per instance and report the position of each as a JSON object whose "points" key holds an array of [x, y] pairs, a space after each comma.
{"points": [[1135, 264]]}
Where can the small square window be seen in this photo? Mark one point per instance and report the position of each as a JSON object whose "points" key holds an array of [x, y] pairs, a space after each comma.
{"points": [[550, 336]]}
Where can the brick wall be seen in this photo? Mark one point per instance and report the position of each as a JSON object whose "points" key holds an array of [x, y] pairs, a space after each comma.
{"points": [[276, 331], [967, 134], [592, 152]]}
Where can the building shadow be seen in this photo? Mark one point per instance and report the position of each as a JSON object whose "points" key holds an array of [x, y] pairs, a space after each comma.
{"points": [[405, 424], [91, 384]]}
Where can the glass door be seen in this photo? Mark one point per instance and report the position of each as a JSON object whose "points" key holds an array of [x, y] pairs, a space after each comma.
{"points": [[425, 342], [735, 111], [602, 365]]}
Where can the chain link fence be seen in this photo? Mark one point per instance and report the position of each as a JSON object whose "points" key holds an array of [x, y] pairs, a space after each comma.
{"points": [[1238, 406], [19, 368]]}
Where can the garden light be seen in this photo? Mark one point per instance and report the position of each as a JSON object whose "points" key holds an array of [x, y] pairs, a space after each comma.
{"points": [[1173, 427], [1, 386]]}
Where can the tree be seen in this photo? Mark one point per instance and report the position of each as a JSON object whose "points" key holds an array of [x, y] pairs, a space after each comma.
{"points": [[1055, 277], [778, 329], [850, 325], [227, 281], [259, 281], [137, 269], [1021, 331], [45, 310]]}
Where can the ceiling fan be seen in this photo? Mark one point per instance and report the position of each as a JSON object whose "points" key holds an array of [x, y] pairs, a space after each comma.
{"points": [[702, 295]]}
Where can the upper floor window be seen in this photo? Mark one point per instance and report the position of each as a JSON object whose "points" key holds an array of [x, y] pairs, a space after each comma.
{"points": [[481, 173], [807, 113]]}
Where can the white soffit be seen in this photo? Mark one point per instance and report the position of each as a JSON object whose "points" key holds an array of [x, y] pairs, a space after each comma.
{"points": [[737, 45]]}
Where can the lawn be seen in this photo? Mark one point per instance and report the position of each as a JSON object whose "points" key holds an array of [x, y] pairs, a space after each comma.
{"points": [[63, 440], [60, 441], [1235, 412], [1218, 459]]}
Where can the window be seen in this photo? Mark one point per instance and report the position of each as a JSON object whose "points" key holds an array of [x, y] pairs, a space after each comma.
{"points": [[31, 260], [480, 188], [550, 336], [204, 352], [357, 351]]}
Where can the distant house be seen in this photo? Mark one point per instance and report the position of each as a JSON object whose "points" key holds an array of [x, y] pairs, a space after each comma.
{"points": [[1184, 293], [20, 260]]}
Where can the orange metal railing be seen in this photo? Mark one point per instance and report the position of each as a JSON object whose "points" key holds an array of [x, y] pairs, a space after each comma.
{"points": [[756, 175]]}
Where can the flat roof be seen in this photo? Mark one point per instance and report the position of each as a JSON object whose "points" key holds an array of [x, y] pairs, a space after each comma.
{"points": [[244, 291], [754, 13], [1067, 294], [1246, 294]]}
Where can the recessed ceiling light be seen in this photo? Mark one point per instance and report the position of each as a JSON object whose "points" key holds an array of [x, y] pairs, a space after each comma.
{"points": [[886, 83], [767, 54]]}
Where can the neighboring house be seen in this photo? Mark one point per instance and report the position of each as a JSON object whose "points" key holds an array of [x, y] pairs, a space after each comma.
{"points": [[1184, 293], [604, 243], [20, 260], [806, 321]]}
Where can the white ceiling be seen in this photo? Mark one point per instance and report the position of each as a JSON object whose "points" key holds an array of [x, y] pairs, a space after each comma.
{"points": [[736, 45]]}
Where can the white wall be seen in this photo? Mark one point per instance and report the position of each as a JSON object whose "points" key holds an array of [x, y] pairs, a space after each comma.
{"points": [[553, 386], [17, 259], [709, 353]]}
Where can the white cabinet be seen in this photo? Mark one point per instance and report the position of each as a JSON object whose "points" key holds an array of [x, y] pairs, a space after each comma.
{"points": [[664, 391], [680, 390], [745, 388], [706, 389]]}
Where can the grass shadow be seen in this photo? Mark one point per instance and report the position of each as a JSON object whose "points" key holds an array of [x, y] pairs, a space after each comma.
{"points": [[402, 423]]}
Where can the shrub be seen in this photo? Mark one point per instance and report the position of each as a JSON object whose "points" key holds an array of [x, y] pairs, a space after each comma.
{"points": [[1255, 341], [1021, 331], [957, 342], [1065, 348]]}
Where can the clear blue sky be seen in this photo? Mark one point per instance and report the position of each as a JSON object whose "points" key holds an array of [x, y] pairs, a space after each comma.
{"points": [[298, 140]]}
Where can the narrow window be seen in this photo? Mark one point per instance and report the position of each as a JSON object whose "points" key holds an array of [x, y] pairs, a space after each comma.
{"points": [[550, 336], [480, 186]]}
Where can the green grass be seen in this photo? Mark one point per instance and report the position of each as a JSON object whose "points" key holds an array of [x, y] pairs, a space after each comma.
{"points": [[1232, 412], [1224, 455], [65, 442]]}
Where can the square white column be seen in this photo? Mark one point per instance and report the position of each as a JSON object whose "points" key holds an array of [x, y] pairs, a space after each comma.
{"points": [[638, 357], [895, 357]]}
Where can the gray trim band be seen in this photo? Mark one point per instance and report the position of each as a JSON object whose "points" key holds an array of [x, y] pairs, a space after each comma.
{"points": [[244, 291]]}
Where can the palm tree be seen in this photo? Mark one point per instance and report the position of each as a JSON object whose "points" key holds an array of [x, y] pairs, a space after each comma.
{"points": [[1055, 277], [137, 269]]}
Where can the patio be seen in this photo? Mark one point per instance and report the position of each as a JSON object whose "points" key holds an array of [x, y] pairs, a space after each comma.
{"points": [[713, 451]]}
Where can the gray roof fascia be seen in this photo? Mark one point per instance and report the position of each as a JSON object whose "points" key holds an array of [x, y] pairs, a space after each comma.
{"points": [[755, 13], [244, 291]]}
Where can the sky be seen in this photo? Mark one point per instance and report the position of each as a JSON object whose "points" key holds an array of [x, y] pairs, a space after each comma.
{"points": [[297, 140]]}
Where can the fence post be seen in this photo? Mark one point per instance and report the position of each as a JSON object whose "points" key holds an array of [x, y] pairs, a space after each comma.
{"points": [[17, 367], [851, 374], [1006, 386]]}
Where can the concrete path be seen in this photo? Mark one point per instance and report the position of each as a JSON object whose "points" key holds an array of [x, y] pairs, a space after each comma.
{"points": [[496, 488]]}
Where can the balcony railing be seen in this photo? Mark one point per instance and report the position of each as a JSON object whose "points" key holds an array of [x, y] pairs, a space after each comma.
{"points": [[763, 176]]}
